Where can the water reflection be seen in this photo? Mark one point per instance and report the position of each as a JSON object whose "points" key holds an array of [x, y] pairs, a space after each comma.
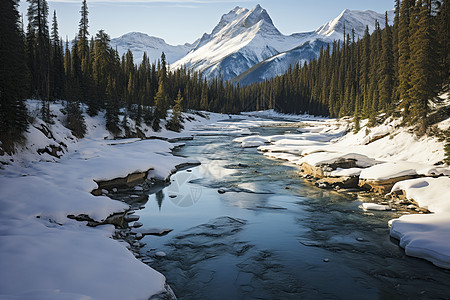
{"points": [[271, 236]]}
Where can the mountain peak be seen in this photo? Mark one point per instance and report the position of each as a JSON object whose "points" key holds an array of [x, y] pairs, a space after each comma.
{"points": [[257, 14], [352, 19]]}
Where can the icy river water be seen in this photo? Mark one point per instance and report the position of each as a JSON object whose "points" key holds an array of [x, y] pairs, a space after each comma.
{"points": [[248, 227]]}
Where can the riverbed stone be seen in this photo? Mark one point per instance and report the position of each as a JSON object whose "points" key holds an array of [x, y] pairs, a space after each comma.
{"points": [[382, 186], [129, 181], [131, 218], [341, 182], [309, 170]]}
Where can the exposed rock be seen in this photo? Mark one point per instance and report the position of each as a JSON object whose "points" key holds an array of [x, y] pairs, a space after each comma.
{"points": [[382, 186], [343, 163], [137, 224], [116, 219], [152, 231], [131, 218], [399, 197], [124, 182], [160, 254], [316, 172], [340, 182], [376, 138], [51, 150]]}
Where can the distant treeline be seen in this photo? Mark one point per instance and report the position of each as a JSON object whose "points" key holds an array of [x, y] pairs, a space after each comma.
{"points": [[401, 66]]}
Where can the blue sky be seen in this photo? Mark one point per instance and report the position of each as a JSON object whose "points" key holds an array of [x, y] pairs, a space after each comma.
{"points": [[179, 21]]}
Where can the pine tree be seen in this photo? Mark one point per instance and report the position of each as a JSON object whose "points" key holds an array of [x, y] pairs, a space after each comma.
{"points": [[39, 55], [447, 147], [83, 30], [85, 81], [204, 104], [57, 74], [13, 78], [423, 64], [387, 67], [175, 122], [75, 120], [442, 24], [112, 108], [404, 52], [160, 111]]}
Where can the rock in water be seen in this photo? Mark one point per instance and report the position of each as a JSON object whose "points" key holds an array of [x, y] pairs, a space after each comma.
{"points": [[160, 254], [131, 218]]}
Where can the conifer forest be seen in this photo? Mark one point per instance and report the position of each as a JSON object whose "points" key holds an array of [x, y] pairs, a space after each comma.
{"points": [[400, 70]]}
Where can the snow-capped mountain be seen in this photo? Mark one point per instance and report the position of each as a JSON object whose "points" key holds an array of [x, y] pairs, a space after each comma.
{"points": [[313, 41], [280, 63], [139, 42], [242, 39], [246, 47]]}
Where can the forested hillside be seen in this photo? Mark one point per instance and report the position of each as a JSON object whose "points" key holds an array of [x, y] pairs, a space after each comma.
{"points": [[401, 67]]}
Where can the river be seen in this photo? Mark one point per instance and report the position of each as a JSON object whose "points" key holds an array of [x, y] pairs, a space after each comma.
{"points": [[249, 227]]}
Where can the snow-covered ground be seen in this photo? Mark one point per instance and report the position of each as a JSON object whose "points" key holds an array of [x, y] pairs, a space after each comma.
{"points": [[46, 255]]}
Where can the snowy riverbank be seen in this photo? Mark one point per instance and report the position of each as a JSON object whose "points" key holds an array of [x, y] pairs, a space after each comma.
{"points": [[385, 153], [46, 255]]}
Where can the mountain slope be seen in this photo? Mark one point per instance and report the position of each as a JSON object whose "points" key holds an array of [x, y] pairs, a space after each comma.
{"points": [[139, 42], [325, 34], [242, 39]]}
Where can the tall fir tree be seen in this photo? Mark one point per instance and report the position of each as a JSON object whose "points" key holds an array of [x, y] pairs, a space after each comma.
{"points": [[160, 99], [83, 30], [13, 78], [39, 55], [387, 68], [423, 63], [57, 74], [175, 123], [404, 52]]}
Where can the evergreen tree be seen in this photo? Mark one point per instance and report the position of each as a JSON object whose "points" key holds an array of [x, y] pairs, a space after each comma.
{"points": [[57, 74], [160, 111], [176, 120], [13, 78], [112, 108], [204, 104], [423, 63], [75, 120], [102, 70], [86, 85], [387, 68], [404, 52], [83, 30], [39, 55], [447, 147], [442, 24]]}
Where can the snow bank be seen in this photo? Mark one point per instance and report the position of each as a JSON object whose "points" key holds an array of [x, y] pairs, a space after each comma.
{"points": [[251, 141], [328, 158], [390, 170], [374, 206], [46, 255], [72, 260], [426, 236], [381, 153]]}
